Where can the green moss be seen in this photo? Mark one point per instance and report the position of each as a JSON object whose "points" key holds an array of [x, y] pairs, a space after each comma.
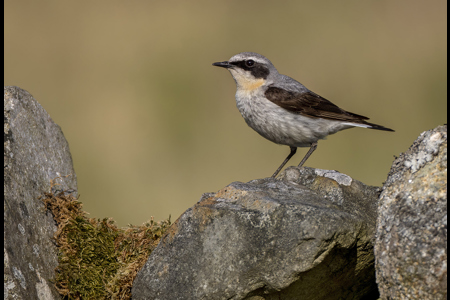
{"points": [[97, 260]]}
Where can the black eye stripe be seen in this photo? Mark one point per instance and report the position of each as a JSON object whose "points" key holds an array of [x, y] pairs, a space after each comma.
{"points": [[243, 64], [240, 64], [257, 69]]}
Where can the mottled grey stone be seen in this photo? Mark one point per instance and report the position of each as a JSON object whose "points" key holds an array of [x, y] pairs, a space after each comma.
{"points": [[35, 152], [303, 236], [411, 238]]}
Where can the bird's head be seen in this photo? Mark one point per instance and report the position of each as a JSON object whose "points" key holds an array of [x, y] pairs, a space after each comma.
{"points": [[250, 70]]}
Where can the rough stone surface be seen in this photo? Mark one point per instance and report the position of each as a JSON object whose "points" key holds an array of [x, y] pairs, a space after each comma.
{"points": [[303, 236], [35, 152], [411, 238]]}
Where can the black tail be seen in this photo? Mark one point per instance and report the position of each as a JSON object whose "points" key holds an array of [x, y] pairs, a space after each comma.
{"points": [[378, 127]]}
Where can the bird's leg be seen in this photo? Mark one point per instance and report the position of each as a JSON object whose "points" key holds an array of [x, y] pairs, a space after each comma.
{"points": [[308, 154], [293, 150]]}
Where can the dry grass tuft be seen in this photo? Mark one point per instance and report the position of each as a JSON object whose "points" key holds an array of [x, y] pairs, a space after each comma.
{"points": [[97, 260]]}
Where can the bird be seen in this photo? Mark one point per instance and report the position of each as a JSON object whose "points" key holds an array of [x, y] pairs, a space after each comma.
{"points": [[282, 109]]}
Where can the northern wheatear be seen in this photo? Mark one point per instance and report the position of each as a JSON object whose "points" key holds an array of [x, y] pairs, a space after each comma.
{"points": [[283, 110]]}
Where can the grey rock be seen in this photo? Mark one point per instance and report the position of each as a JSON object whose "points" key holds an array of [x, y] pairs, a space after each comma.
{"points": [[303, 236], [411, 237], [35, 152]]}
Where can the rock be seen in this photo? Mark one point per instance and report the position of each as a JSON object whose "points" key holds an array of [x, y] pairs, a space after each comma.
{"points": [[35, 152], [411, 237], [306, 236]]}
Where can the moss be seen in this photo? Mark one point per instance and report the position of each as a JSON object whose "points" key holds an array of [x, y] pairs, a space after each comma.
{"points": [[98, 260]]}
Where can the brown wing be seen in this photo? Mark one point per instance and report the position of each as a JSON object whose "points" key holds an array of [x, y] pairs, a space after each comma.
{"points": [[311, 105]]}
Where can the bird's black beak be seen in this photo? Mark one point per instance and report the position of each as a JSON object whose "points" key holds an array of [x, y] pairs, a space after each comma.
{"points": [[223, 64]]}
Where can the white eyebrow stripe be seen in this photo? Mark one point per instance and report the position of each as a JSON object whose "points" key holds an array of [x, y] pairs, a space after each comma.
{"points": [[243, 58]]}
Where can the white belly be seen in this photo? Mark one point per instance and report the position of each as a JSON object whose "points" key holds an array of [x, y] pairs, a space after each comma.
{"points": [[281, 126]]}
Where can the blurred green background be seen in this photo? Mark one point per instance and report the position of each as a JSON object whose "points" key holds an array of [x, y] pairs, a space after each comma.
{"points": [[152, 125]]}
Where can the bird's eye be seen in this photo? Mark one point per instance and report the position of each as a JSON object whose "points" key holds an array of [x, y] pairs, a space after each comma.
{"points": [[249, 63]]}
